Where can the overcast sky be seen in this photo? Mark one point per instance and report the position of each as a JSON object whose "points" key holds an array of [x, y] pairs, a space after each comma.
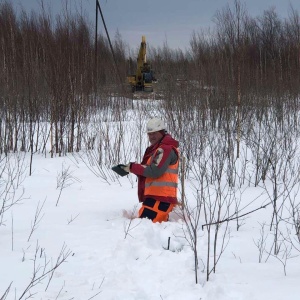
{"points": [[171, 21]]}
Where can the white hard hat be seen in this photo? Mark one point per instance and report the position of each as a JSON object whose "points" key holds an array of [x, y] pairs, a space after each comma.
{"points": [[155, 124]]}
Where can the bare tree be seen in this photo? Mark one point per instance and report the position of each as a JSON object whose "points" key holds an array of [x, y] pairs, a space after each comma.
{"points": [[64, 180], [37, 219], [12, 168], [41, 271]]}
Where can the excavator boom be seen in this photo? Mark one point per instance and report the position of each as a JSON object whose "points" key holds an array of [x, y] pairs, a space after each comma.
{"points": [[141, 60]]}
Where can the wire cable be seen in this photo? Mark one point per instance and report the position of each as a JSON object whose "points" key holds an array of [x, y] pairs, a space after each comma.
{"points": [[109, 41]]}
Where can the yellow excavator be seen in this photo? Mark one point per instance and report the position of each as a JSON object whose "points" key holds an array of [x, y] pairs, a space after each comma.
{"points": [[143, 79]]}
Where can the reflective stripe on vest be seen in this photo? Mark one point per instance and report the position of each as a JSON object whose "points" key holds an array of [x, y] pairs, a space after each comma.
{"points": [[165, 185], [172, 184]]}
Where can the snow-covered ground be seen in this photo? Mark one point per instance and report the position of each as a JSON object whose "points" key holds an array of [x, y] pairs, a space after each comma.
{"points": [[111, 256]]}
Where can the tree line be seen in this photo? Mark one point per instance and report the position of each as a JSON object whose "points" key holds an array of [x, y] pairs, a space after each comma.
{"points": [[52, 79]]}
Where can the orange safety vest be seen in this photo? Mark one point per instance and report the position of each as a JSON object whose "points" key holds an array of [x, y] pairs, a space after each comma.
{"points": [[165, 185]]}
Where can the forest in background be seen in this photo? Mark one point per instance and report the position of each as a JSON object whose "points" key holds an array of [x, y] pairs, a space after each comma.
{"points": [[236, 72]]}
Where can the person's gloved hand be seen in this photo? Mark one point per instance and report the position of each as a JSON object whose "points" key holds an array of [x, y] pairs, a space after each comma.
{"points": [[126, 168]]}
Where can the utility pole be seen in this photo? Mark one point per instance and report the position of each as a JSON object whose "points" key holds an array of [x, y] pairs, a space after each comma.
{"points": [[96, 45]]}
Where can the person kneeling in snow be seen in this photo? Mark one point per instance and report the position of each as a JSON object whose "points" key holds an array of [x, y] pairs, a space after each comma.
{"points": [[157, 173]]}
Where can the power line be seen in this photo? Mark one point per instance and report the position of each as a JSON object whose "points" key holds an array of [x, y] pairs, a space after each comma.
{"points": [[98, 8]]}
